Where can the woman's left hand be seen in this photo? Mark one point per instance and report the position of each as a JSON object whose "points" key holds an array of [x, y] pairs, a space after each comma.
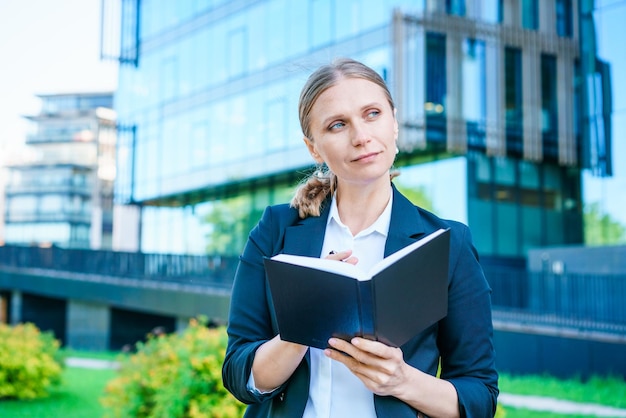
{"points": [[383, 371], [381, 368]]}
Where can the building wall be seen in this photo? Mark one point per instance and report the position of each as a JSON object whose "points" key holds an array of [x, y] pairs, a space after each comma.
{"points": [[3, 177], [60, 192], [579, 260]]}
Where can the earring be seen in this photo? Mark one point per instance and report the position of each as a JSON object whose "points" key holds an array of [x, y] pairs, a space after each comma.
{"points": [[397, 150], [319, 173]]}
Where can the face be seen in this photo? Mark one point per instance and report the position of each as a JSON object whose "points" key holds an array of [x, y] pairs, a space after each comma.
{"points": [[354, 132]]}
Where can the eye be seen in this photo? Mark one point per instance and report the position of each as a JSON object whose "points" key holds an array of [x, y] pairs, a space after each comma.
{"points": [[373, 114], [335, 126]]}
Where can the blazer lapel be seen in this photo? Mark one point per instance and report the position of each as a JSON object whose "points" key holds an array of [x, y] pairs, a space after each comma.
{"points": [[306, 237], [406, 224]]}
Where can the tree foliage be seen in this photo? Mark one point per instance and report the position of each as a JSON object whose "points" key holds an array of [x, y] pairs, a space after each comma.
{"points": [[230, 222], [601, 228], [417, 195]]}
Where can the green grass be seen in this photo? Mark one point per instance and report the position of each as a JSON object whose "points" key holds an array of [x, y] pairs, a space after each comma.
{"points": [[76, 397], [79, 393], [525, 413], [606, 391]]}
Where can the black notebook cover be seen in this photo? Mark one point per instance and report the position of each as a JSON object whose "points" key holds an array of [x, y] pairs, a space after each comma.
{"points": [[403, 299]]}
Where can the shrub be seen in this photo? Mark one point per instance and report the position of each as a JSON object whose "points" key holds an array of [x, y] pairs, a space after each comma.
{"points": [[30, 362], [173, 376]]}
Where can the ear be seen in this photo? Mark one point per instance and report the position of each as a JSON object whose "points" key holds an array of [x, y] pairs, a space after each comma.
{"points": [[395, 124], [311, 147]]}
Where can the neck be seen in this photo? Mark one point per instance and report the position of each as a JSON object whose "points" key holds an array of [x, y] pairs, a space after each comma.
{"points": [[359, 207]]}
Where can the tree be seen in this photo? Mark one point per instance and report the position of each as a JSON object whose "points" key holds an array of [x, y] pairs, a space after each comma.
{"points": [[230, 222], [417, 195], [601, 228]]}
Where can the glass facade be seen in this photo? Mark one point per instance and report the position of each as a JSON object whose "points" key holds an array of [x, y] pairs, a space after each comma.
{"points": [[209, 133]]}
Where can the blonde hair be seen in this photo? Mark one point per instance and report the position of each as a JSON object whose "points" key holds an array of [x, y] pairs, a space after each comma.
{"points": [[314, 189]]}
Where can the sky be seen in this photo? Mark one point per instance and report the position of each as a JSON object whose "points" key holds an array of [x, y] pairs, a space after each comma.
{"points": [[53, 46], [47, 46]]}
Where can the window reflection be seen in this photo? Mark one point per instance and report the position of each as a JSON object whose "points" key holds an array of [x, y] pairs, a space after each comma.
{"points": [[549, 105], [474, 91], [530, 14], [564, 18], [513, 99], [435, 105]]}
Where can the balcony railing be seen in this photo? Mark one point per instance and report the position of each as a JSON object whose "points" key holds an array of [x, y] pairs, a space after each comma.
{"points": [[579, 303], [203, 270], [582, 302], [66, 187], [38, 216]]}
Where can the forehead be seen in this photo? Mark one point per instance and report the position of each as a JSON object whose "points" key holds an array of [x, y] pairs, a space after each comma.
{"points": [[348, 93]]}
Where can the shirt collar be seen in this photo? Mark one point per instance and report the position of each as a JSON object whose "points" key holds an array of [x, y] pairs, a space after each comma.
{"points": [[381, 225]]}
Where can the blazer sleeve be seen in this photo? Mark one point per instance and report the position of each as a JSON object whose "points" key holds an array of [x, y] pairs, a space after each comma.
{"points": [[465, 336], [250, 319]]}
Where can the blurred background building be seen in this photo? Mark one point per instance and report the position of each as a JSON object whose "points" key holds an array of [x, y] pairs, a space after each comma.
{"points": [[499, 103], [59, 188]]}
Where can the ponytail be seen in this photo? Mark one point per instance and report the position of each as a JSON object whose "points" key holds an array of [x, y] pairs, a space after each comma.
{"points": [[311, 193]]}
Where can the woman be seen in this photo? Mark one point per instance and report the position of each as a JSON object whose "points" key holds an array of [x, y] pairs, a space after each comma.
{"points": [[351, 212]]}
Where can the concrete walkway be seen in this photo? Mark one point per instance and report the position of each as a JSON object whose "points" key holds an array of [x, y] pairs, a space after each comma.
{"points": [[545, 404], [88, 363], [533, 403]]}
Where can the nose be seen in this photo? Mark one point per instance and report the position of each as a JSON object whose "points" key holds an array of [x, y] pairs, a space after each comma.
{"points": [[360, 134]]}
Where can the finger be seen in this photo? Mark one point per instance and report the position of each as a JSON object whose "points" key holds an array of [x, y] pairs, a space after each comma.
{"points": [[349, 354], [341, 345], [374, 347], [339, 255]]}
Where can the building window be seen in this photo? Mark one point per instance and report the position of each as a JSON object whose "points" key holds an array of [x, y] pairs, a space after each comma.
{"points": [[276, 116], [564, 18], [491, 11], [455, 7], [320, 23], [236, 52], [549, 106], [436, 80], [530, 14], [168, 83], [506, 207], [474, 91], [480, 201], [513, 99]]}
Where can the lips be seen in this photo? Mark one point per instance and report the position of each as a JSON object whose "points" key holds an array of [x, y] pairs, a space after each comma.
{"points": [[365, 157]]}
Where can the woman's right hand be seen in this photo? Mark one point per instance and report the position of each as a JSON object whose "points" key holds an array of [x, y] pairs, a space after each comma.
{"points": [[345, 256], [275, 361]]}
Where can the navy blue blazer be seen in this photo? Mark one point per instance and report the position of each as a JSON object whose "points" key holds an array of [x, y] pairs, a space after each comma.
{"points": [[463, 339]]}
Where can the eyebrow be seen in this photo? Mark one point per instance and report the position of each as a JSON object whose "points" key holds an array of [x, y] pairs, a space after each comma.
{"points": [[327, 120]]}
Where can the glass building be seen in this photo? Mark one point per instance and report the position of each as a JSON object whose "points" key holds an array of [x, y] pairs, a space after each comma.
{"points": [[492, 101], [60, 190]]}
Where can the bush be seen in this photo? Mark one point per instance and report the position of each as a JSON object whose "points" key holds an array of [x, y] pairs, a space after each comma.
{"points": [[173, 376], [30, 362]]}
